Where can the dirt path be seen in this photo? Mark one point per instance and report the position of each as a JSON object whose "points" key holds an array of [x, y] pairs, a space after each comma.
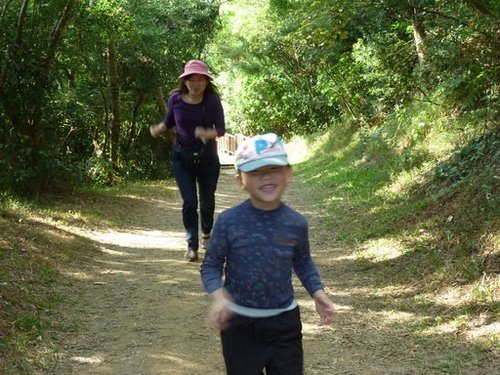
{"points": [[140, 308]]}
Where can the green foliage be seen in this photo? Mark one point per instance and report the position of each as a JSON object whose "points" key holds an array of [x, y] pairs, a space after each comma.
{"points": [[470, 157], [415, 200], [289, 66], [316, 62], [406, 178], [57, 107]]}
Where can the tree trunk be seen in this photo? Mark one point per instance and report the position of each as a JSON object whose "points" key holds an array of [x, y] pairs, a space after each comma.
{"points": [[162, 108], [132, 134], [418, 35], [160, 101], [37, 131], [115, 101]]}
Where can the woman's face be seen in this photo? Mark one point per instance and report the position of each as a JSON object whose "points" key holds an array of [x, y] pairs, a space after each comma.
{"points": [[196, 84]]}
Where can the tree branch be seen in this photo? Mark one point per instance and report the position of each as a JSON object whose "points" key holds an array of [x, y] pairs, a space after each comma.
{"points": [[480, 7], [20, 21], [427, 98], [436, 13], [6, 5], [56, 35]]}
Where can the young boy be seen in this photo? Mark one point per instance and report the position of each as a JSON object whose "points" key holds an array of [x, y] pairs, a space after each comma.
{"points": [[247, 270]]}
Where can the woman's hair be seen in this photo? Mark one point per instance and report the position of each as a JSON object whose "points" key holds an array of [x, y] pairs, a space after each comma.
{"points": [[211, 87]]}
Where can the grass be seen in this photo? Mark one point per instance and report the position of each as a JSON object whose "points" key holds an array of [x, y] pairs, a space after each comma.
{"points": [[417, 201], [34, 254]]}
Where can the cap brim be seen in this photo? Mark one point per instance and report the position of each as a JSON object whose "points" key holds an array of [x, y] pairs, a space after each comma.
{"points": [[266, 162], [191, 73]]}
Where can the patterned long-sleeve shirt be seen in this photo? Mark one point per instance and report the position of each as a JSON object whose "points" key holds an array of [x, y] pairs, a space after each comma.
{"points": [[252, 253]]}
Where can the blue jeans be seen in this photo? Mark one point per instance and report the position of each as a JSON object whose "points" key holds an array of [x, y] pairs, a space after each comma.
{"points": [[194, 182]]}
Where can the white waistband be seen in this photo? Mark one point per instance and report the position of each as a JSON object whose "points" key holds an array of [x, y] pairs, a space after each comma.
{"points": [[259, 313]]}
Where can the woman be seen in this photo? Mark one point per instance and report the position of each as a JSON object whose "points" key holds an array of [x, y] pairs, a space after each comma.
{"points": [[195, 113]]}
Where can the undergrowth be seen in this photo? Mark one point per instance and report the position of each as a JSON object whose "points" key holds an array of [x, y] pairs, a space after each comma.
{"points": [[417, 199], [34, 255]]}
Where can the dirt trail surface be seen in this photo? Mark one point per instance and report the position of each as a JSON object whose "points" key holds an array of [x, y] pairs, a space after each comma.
{"points": [[140, 310]]}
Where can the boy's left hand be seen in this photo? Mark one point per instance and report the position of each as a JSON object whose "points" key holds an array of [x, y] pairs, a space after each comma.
{"points": [[324, 307]]}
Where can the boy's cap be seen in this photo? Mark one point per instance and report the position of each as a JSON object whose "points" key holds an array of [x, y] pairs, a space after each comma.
{"points": [[260, 151]]}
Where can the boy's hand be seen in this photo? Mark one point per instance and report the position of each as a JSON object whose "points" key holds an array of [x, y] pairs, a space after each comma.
{"points": [[219, 314], [324, 307]]}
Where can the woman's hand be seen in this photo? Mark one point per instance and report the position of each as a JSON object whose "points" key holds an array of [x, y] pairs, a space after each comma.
{"points": [[156, 130], [204, 134]]}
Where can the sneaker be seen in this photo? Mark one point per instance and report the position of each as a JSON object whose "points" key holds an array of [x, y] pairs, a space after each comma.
{"points": [[204, 240], [191, 255]]}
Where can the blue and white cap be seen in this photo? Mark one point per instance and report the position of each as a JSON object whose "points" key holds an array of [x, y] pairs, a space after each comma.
{"points": [[260, 151]]}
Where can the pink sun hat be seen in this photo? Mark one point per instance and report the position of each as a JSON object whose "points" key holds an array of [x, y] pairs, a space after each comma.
{"points": [[195, 67]]}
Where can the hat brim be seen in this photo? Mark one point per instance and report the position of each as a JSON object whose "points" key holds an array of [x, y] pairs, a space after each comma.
{"points": [[265, 162], [183, 75]]}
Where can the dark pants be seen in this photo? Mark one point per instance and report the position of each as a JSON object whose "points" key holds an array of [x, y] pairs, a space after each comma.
{"points": [[250, 345], [192, 182]]}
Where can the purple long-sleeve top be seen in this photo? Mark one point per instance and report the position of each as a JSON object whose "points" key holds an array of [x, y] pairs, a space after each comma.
{"points": [[185, 117]]}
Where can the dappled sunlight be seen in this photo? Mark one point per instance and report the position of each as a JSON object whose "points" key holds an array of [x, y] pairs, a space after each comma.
{"points": [[485, 290], [403, 182], [396, 317], [92, 360], [315, 329], [178, 280], [333, 199], [309, 304], [381, 249], [146, 198], [79, 275], [198, 295], [226, 196], [179, 261], [473, 329], [168, 280], [115, 272], [450, 296], [113, 252], [140, 239], [480, 330]]}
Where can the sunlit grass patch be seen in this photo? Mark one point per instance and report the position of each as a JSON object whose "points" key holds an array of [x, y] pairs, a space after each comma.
{"points": [[421, 217], [34, 250], [138, 189], [381, 249]]}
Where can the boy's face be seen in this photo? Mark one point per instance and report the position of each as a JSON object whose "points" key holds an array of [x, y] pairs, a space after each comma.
{"points": [[266, 185]]}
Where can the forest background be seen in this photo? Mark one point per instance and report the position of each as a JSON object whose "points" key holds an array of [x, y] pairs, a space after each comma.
{"points": [[391, 107]]}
